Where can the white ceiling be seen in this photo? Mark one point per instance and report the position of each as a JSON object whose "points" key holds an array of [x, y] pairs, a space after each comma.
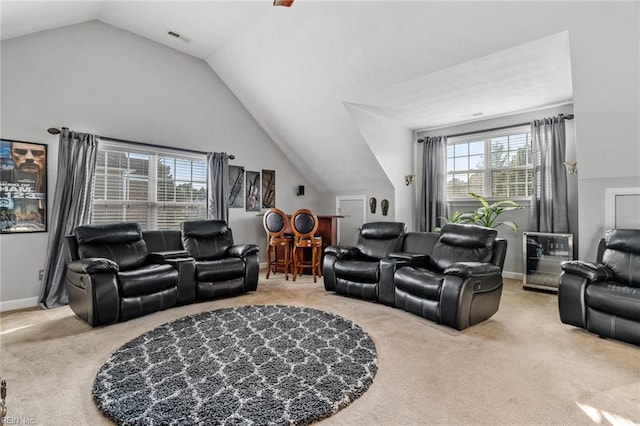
{"points": [[295, 68]]}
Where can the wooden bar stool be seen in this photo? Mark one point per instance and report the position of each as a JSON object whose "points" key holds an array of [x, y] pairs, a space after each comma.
{"points": [[304, 224], [275, 223]]}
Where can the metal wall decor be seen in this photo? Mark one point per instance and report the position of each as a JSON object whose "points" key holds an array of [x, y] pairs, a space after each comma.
{"points": [[236, 186], [268, 189], [23, 187], [372, 204], [385, 207], [252, 202]]}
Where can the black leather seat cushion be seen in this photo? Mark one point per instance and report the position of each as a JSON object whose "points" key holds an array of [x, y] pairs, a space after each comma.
{"points": [[219, 269], [419, 282], [120, 242], [358, 270], [147, 279], [612, 298], [463, 243], [206, 239]]}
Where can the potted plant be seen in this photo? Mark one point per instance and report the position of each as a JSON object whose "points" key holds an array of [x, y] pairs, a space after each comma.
{"points": [[486, 215]]}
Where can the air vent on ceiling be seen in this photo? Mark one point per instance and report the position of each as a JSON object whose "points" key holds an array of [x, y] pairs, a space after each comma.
{"points": [[178, 36]]}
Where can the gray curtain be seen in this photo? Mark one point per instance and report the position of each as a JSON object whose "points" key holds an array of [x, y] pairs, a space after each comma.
{"points": [[218, 186], [433, 203], [71, 207], [549, 206]]}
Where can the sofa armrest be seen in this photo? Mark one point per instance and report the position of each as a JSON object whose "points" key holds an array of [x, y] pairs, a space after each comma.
{"points": [[386, 283], [472, 269], [468, 299], [93, 265], [342, 252], [159, 256], [92, 286], [589, 270], [242, 250]]}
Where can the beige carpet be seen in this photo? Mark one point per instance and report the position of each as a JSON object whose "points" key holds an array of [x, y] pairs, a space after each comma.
{"points": [[521, 367]]}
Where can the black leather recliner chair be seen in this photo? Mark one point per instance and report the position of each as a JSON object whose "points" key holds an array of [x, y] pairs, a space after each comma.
{"points": [[112, 276], [222, 268], [455, 280], [603, 297], [355, 271]]}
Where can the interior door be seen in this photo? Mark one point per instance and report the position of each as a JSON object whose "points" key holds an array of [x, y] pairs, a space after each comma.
{"points": [[353, 210]]}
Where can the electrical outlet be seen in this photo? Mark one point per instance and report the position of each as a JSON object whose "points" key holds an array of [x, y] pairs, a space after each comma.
{"points": [[40, 274]]}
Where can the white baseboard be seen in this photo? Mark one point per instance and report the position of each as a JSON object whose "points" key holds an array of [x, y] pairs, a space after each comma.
{"points": [[11, 305], [512, 275]]}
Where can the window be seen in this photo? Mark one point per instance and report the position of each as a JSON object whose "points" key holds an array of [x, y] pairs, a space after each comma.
{"points": [[156, 189], [494, 164]]}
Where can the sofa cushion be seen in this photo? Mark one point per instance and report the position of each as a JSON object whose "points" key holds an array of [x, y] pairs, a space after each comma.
{"points": [[219, 269], [419, 282], [357, 270], [128, 256], [622, 255], [147, 279], [618, 300], [206, 239], [377, 239], [463, 243], [120, 242]]}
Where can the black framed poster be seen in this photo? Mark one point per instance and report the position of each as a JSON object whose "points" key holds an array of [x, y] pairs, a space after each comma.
{"points": [[23, 186]]}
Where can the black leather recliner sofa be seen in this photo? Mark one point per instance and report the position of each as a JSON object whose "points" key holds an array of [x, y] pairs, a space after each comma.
{"points": [[222, 268], [603, 297], [453, 278], [112, 276], [116, 272], [355, 271]]}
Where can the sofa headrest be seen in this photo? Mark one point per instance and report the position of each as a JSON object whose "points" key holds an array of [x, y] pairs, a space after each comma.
{"points": [[108, 233], [470, 236], [382, 230], [204, 228], [624, 240]]}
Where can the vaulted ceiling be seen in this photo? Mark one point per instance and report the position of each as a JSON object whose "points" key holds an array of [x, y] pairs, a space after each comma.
{"points": [[298, 69]]}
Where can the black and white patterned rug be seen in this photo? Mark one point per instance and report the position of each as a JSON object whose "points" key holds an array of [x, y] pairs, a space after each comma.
{"points": [[250, 365]]}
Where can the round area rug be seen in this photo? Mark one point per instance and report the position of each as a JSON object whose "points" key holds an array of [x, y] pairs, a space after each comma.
{"points": [[248, 365]]}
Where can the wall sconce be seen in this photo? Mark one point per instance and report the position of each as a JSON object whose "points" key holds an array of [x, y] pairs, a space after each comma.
{"points": [[409, 179], [572, 167]]}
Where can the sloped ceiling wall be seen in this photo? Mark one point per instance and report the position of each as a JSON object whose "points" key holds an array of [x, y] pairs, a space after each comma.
{"points": [[295, 70]]}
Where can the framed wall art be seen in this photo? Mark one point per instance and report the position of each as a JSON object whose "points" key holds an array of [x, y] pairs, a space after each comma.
{"points": [[268, 189], [236, 186], [252, 202], [23, 187]]}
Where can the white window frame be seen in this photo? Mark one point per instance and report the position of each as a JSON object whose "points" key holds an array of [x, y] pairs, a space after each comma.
{"points": [[152, 202], [486, 137]]}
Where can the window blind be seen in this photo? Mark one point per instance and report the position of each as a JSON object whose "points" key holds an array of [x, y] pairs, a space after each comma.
{"points": [[155, 188]]}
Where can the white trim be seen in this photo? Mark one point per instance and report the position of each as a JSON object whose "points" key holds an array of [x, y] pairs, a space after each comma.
{"points": [[362, 198], [610, 195], [11, 305]]}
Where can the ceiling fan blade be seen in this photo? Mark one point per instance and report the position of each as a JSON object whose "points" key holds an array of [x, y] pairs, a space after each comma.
{"points": [[285, 3]]}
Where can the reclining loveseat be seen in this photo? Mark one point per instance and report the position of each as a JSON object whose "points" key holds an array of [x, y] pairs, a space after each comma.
{"points": [[116, 272], [603, 297], [452, 278]]}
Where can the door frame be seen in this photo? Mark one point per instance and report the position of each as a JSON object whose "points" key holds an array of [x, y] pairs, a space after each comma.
{"points": [[362, 198]]}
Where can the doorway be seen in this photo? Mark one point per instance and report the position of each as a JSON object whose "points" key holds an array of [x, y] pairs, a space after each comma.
{"points": [[353, 208]]}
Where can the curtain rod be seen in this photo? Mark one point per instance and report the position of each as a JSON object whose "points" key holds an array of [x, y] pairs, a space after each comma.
{"points": [[56, 131], [566, 117]]}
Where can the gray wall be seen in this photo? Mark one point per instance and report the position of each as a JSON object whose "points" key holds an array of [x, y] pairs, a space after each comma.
{"points": [[92, 77], [513, 262]]}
